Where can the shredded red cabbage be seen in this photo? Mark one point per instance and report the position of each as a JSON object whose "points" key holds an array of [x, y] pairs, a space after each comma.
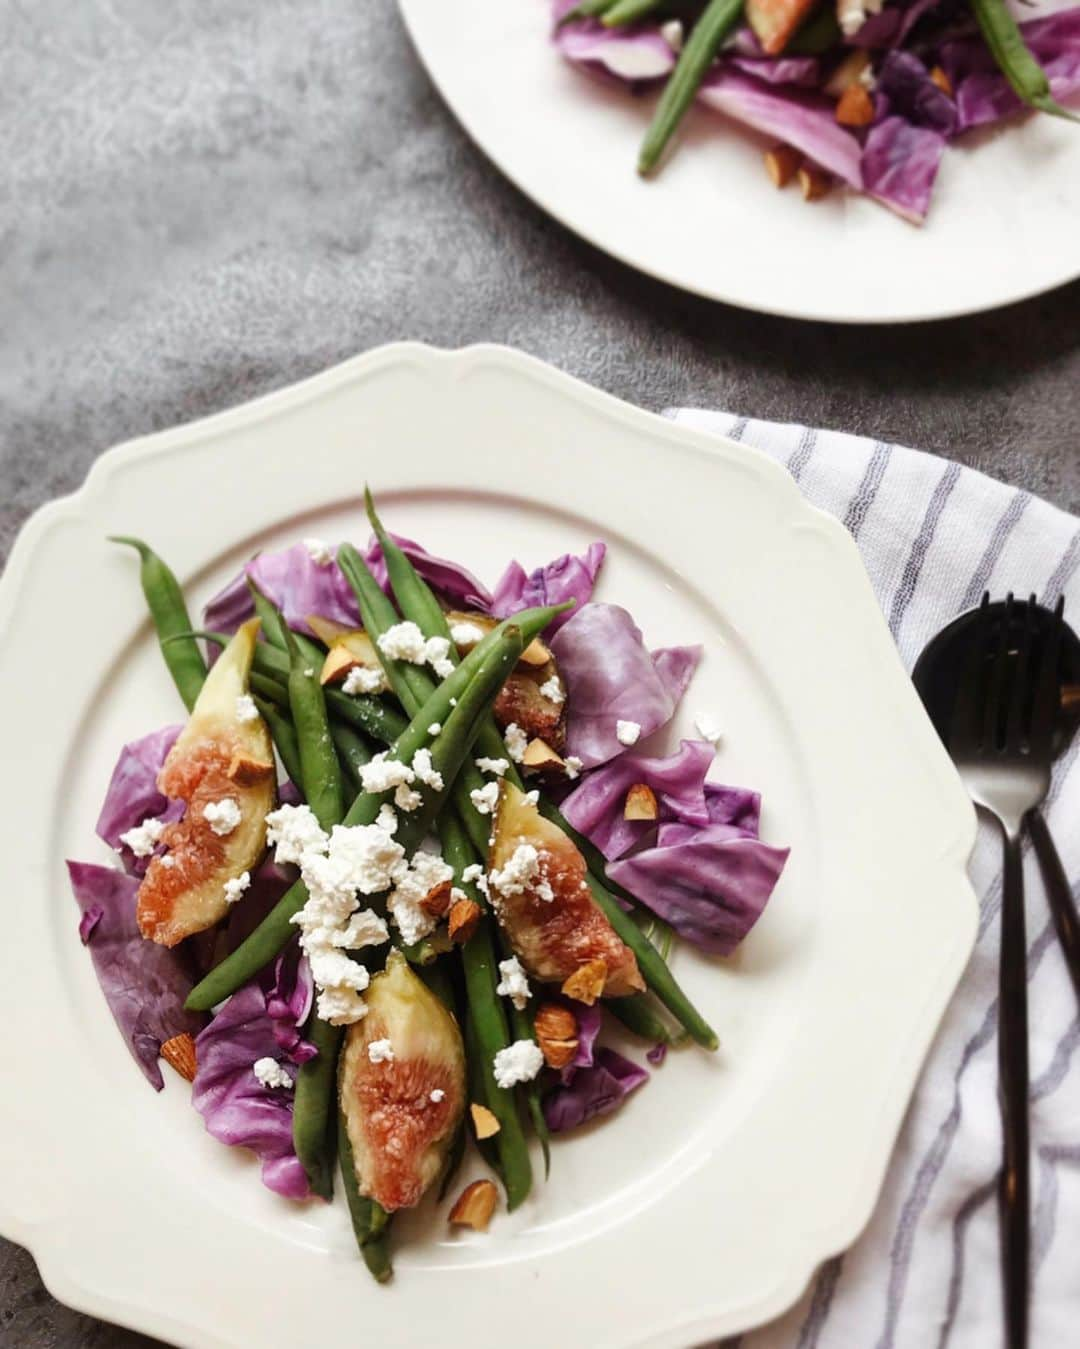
{"points": [[567, 578]]}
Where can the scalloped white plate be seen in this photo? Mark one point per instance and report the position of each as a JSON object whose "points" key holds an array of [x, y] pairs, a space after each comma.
{"points": [[705, 1205], [1001, 227]]}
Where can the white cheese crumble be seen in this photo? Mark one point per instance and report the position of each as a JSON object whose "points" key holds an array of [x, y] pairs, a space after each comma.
{"points": [[436, 1095], [271, 1073], [383, 774], [425, 771], [519, 1062], [380, 1051], [405, 798], [519, 873], [222, 816], [672, 33], [485, 798], [496, 766], [466, 634], [404, 641], [425, 873], [437, 655], [309, 672], [386, 819], [363, 679], [435, 728], [334, 969], [246, 711], [144, 837], [531, 798], [627, 732], [516, 741], [472, 872], [708, 727], [513, 983], [167, 861], [553, 691], [295, 831], [364, 928], [235, 888], [341, 1006], [319, 552], [573, 766]]}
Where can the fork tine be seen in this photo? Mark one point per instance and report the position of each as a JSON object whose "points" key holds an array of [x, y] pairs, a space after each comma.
{"points": [[993, 701], [1017, 721], [966, 720], [1047, 691]]}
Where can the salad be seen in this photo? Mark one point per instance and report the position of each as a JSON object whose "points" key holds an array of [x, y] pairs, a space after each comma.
{"points": [[864, 94], [380, 890]]}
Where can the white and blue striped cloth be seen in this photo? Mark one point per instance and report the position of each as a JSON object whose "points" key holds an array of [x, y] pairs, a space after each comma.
{"points": [[925, 1273]]}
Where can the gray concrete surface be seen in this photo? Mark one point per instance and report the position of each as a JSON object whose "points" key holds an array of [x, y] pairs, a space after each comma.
{"points": [[199, 203]]}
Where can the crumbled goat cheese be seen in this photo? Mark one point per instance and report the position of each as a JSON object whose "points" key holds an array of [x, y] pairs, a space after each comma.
{"points": [[295, 831], [472, 872], [334, 969], [386, 819], [573, 766], [380, 1051], [405, 798], [144, 837], [425, 873], [382, 774], [496, 766], [437, 655], [627, 732], [516, 741], [485, 798], [425, 771], [222, 816], [167, 861], [453, 702], [852, 14], [531, 798], [235, 888], [512, 983], [437, 1095], [466, 634], [341, 1006], [443, 668], [271, 1073], [672, 33], [246, 711], [364, 928], [552, 690], [403, 641], [708, 727], [362, 679], [319, 552], [435, 728], [309, 672], [519, 1062], [519, 873]]}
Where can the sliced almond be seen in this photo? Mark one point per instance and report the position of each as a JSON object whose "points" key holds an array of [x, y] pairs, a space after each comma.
{"points": [[437, 901], [539, 755], [485, 1124], [938, 76], [813, 184], [475, 1205], [536, 653], [641, 803], [851, 70], [179, 1053], [464, 916], [556, 1033], [339, 661], [856, 107], [782, 163], [586, 984], [246, 772], [328, 630]]}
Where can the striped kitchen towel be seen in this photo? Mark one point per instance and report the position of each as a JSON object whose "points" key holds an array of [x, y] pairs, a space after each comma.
{"points": [[925, 1273]]}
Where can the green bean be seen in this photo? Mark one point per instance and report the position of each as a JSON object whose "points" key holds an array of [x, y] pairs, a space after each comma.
{"points": [[697, 55], [477, 682], [319, 768], [370, 1220], [314, 1118], [640, 1018], [283, 736], [587, 9], [353, 753], [817, 35], [474, 1064], [628, 11], [168, 609], [1025, 75], [274, 627], [269, 690], [521, 1028]]}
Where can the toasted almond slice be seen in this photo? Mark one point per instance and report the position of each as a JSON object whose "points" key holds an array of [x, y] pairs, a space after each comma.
{"points": [[475, 1205], [556, 1033], [339, 661], [484, 1122], [536, 653], [586, 984], [247, 772], [328, 630], [851, 70], [437, 901], [782, 163], [539, 754], [464, 916], [814, 184], [641, 803], [856, 107], [179, 1053], [942, 80]]}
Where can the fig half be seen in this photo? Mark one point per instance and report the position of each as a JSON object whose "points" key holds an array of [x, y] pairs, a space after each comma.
{"points": [[537, 881], [402, 1087], [222, 767]]}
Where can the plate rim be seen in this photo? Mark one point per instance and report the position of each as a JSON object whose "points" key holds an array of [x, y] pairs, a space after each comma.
{"points": [[850, 1218]]}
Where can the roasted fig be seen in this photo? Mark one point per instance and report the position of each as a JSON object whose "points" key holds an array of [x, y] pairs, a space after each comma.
{"points": [[536, 878], [222, 766], [402, 1087]]}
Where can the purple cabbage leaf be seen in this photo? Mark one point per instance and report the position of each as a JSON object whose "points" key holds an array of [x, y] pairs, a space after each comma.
{"points": [[900, 163], [296, 582], [567, 578], [454, 582], [595, 1090], [132, 795]]}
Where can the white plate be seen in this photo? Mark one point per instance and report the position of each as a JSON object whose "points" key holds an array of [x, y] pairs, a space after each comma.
{"points": [[704, 1206], [1002, 225]]}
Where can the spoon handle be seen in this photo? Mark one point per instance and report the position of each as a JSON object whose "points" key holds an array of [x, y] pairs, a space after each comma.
{"points": [[1059, 892], [1014, 1194]]}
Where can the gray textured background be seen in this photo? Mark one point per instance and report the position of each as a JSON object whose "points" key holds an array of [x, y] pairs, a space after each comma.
{"points": [[202, 202]]}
